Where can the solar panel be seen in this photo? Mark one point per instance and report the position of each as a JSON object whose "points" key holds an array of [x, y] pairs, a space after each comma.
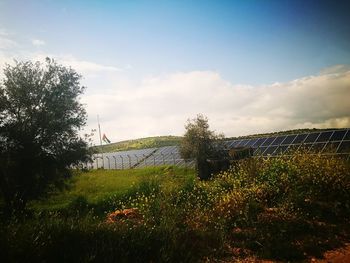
{"points": [[242, 143], [251, 142], [326, 142], [289, 139], [268, 141], [300, 138], [347, 136], [311, 137], [278, 140], [344, 147], [259, 142], [281, 149], [324, 136], [235, 143], [245, 142], [270, 150], [338, 135]]}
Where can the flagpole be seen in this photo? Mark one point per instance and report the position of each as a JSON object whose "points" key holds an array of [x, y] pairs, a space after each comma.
{"points": [[99, 131]]}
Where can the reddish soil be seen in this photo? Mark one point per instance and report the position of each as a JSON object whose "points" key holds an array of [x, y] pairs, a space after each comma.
{"points": [[340, 255]]}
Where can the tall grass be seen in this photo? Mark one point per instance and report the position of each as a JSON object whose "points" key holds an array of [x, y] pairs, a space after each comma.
{"points": [[100, 186]]}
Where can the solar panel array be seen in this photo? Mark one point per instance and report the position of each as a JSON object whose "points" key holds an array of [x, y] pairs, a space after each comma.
{"points": [[168, 155], [330, 142], [122, 159], [333, 142]]}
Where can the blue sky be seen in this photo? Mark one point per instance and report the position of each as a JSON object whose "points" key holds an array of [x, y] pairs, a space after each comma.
{"points": [[119, 44], [251, 42]]}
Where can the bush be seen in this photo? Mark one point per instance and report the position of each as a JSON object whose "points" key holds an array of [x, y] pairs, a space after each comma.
{"points": [[281, 202], [300, 183]]}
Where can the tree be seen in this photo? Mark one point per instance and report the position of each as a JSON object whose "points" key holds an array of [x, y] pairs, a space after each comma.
{"points": [[40, 116], [200, 144]]}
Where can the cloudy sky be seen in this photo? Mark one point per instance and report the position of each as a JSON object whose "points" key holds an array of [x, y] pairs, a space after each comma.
{"points": [[249, 66]]}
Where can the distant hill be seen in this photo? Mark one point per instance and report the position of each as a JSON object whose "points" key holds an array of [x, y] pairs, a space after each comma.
{"points": [[297, 131], [160, 141], [149, 142]]}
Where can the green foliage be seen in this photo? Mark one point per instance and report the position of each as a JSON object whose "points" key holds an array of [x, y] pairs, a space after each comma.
{"points": [[301, 182], [200, 143], [40, 116], [277, 203]]}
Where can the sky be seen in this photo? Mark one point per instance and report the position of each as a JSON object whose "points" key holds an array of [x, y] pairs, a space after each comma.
{"points": [[149, 66]]}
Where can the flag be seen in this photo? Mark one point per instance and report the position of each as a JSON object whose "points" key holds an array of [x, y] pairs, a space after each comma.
{"points": [[105, 139]]}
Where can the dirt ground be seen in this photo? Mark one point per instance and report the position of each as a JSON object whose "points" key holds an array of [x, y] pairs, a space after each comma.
{"points": [[340, 255]]}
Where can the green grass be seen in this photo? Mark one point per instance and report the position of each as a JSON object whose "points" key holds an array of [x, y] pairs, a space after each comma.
{"points": [[96, 186], [149, 142]]}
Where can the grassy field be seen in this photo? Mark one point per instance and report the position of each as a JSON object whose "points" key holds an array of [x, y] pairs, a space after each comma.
{"points": [[96, 186], [284, 209], [149, 142]]}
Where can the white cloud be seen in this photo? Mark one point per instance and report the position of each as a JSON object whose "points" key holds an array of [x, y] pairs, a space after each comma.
{"points": [[87, 66], [10, 52], [82, 66], [6, 40], [38, 42], [4, 32], [7, 43], [336, 69], [161, 105]]}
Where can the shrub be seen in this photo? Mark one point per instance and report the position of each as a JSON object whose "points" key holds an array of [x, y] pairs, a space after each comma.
{"points": [[276, 203], [300, 183]]}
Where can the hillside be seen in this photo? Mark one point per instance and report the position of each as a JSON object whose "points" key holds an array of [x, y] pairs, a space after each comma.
{"points": [[160, 141], [142, 143], [286, 132]]}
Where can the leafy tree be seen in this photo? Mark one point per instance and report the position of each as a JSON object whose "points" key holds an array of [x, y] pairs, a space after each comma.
{"points": [[40, 116], [201, 144]]}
